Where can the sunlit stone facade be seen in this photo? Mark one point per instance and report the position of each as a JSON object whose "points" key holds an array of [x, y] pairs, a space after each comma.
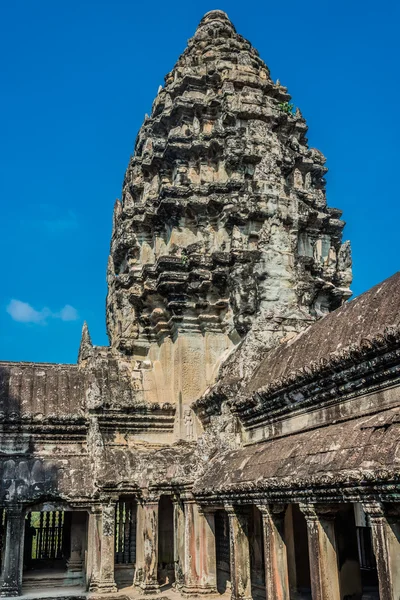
{"points": [[240, 434]]}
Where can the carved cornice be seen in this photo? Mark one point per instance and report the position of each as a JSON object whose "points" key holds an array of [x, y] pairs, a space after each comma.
{"points": [[374, 509], [152, 417], [329, 487], [210, 403], [271, 510], [355, 370]]}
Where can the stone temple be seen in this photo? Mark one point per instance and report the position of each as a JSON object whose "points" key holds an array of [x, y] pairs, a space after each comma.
{"points": [[240, 434]]}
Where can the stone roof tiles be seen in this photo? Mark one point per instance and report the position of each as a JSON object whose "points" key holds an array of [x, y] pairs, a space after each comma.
{"points": [[339, 452], [365, 317], [42, 390]]}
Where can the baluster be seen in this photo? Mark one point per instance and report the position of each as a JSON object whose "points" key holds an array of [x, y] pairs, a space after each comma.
{"points": [[116, 532], [56, 520], [49, 531], [39, 545], [121, 523], [132, 534], [59, 534], [53, 533], [46, 535], [126, 532]]}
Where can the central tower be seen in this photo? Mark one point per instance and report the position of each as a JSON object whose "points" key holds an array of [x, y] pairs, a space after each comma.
{"points": [[223, 233]]}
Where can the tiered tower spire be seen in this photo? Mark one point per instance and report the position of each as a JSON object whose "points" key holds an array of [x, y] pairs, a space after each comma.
{"points": [[223, 228]]}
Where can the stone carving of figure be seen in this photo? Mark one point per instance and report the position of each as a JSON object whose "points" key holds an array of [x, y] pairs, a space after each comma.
{"points": [[188, 420]]}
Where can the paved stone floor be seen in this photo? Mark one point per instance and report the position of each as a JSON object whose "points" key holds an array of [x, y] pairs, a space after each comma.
{"points": [[79, 593]]}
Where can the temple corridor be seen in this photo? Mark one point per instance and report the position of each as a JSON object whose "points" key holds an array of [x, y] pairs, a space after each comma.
{"points": [[296, 551]]}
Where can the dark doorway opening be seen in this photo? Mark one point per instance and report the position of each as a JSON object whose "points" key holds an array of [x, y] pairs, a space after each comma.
{"points": [[125, 541], [47, 539], [298, 557], [55, 546], [359, 532], [222, 547], [166, 569], [256, 545]]}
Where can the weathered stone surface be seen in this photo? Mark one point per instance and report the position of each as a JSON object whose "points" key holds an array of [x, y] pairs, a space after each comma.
{"points": [[367, 321], [363, 450], [223, 229], [226, 384]]}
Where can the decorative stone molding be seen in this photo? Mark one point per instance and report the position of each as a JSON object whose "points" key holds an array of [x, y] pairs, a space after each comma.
{"points": [[325, 584], [275, 555], [239, 551], [371, 365], [386, 544]]}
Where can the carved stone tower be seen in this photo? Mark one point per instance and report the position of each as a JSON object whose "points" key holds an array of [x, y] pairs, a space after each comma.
{"points": [[223, 233]]}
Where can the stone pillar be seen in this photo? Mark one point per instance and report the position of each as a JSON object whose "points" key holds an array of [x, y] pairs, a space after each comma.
{"points": [[208, 551], [240, 552], [290, 549], [78, 537], [14, 552], [102, 549], [200, 574], [179, 542], [386, 545], [275, 556], [322, 550], [147, 547]]}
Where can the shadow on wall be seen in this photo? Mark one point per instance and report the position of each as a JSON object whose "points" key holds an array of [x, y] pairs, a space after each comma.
{"points": [[23, 478]]}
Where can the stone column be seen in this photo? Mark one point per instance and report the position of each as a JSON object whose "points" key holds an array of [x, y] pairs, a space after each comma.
{"points": [[179, 542], [14, 552], [102, 549], [208, 551], [147, 547], [200, 576], [78, 537], [386, 545], [240, 552], [322, 550], [275, 556]]}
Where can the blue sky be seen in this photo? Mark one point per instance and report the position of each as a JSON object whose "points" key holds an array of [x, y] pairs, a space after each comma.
{"points": [[77, 78]]}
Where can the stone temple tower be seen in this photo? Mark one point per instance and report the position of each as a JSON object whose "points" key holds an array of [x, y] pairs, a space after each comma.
{"points": [[228, 442], [223, 242]]}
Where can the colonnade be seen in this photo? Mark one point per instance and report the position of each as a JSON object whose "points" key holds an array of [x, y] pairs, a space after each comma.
{"points": [[194, 544], [195, 550]]}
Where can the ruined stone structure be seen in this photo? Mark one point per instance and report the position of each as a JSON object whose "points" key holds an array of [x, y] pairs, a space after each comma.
{"points": [[240, 434]]}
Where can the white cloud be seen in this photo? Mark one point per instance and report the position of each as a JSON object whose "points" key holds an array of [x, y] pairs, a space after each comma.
{"points": [[25, 313], [68, 313]]}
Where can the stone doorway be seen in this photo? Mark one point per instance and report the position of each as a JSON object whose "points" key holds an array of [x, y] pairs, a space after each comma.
{"points": [[359, 542], [125, 541], [54, 549], [166, 568], [222, 547], [256, 547], [297, 554]]}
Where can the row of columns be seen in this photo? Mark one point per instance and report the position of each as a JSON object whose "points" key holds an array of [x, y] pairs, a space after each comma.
{"points": [[195, 553], [324, 571], [194, 548]]}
